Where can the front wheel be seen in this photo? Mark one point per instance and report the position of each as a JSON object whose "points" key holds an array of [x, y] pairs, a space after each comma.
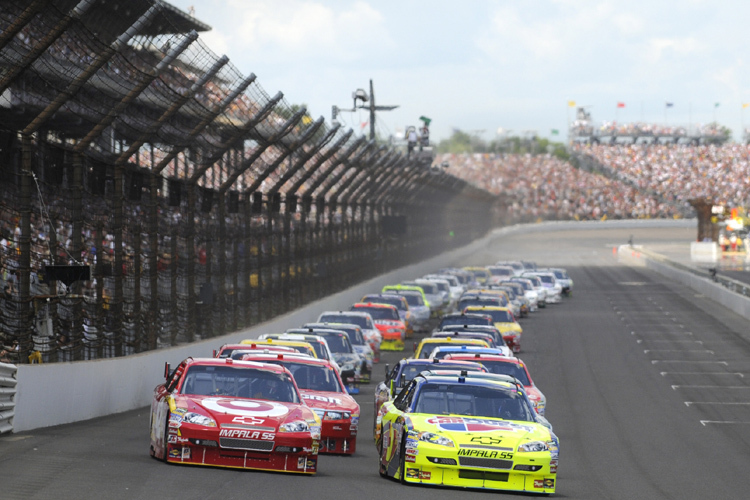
{"points": [[402, 461]]}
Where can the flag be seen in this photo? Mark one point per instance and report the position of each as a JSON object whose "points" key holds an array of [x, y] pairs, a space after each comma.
{"points": [[555, 131], [745, 105], [670, 104], [571, 104], [716, 105], [620, 104]]}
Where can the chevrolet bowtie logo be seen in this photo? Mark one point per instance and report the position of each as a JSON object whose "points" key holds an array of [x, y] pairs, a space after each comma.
{"points": [[248, 420], [485, 440]]}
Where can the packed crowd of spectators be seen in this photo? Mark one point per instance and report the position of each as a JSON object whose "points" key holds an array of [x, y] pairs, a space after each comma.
{"points": [[546, 187], [680, 173], [607, 128]]}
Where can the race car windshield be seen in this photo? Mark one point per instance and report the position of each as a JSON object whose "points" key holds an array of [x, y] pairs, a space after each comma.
{"points": [[471, 400], [338, 343], [239, 382], [313, 377], [360, 321], [499, 316], [501, 272], [561, 274], [464, 303], [384, 300], [546, 279], [427, 349], [414, 300], [464, 320], [504, 368], [381, 313], [411, 371], [355, 335]]}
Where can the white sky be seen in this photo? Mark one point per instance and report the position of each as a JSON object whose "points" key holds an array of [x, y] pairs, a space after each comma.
{"points": [[482, 65]]}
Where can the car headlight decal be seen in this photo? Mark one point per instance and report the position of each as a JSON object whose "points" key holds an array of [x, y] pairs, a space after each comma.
{"points": [[433, 438], [296, 426], [533, 446], [198, 419]]}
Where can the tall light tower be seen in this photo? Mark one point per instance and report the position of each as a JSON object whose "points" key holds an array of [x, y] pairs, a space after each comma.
{"points": [[361, 95]]}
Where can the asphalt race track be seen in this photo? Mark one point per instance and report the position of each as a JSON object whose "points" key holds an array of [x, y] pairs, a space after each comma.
{"points": [[647, 385]]}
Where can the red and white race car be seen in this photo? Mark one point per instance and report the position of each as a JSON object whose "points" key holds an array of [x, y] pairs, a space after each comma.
{"points": [[228, 413], [324, 391]]}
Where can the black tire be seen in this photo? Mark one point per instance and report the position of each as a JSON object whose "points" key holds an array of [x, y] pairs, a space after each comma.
{"points": [[166, 440], [402, 460]]}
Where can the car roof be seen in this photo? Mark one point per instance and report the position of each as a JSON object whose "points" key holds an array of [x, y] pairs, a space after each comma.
{"points": [[235, 363], [487, 308], [488, 357], [292, 358], [461, 379], [362, 305]]}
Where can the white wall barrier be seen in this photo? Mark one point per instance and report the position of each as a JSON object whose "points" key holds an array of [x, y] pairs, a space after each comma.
{"points": [[59, 393], [8, 385]]}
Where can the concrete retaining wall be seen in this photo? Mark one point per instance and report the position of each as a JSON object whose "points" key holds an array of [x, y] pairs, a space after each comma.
{"points": [[59, 393]]}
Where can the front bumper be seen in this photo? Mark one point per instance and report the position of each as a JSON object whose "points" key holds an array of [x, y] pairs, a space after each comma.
{"points": [[301, 456], [517, 474]]}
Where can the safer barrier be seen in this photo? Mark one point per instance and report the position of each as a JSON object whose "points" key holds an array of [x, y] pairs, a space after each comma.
{"points": [[7, 396]]}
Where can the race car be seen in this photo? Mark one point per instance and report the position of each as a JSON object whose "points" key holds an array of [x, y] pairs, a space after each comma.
{"points": [[442, 352], [494, 376], [299, 346], [239, 414], [345, 358], [358, 342], [388, 322], [425, 347], [506, 366], [323, 390], [362, 320], [394, 299], [456, 430], [406, 369], [226, 350], [463, 318], [503, 320]]}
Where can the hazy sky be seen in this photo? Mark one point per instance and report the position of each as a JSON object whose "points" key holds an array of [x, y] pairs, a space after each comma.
{"points": [[484, 65]]}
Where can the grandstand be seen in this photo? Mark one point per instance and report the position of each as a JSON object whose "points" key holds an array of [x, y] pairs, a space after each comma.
{"points": [[130, 149], [583, 130]]}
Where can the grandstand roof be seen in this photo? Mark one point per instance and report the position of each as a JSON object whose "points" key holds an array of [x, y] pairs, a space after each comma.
{"points": [[110, 18]]}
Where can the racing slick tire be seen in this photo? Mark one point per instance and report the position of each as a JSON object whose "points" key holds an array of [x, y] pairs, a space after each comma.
{"points": [[166, 440], [402, 461]]}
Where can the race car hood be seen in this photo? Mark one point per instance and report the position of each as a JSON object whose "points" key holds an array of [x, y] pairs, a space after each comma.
{"points": [[508, 327], [480, 433], [336, 401], [258, 413]]}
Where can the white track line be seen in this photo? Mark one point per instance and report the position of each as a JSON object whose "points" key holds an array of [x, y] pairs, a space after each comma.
{"points": [[675, 387], [736, 374], [705, 422], [640, 341], [691, 403], [646, 351], [654, 361]]}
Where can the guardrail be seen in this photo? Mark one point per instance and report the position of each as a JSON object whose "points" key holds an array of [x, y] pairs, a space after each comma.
{"points": [[7, 396], [728, 283]]}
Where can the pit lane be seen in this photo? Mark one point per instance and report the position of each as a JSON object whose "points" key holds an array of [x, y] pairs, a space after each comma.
{"points": [[619, 363]]}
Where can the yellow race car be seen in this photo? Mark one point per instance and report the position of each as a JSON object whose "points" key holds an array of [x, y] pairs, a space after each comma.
{"points": [[464, 431]]}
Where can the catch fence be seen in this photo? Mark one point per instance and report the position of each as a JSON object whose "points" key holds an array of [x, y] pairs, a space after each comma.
{"points": [[193, 202]]}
